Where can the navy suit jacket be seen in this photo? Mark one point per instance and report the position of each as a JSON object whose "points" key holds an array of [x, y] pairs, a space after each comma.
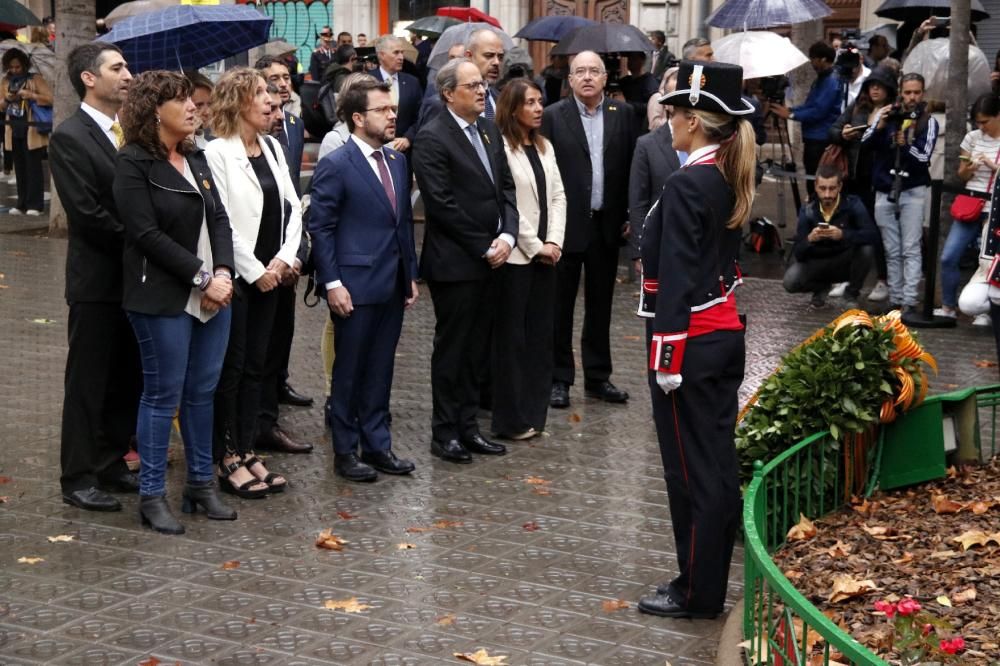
{"points": [[295, 135], [356, 238], [411, 96]]}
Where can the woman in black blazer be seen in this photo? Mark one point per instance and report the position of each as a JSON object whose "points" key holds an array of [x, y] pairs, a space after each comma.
{"points": [[177, 287]]}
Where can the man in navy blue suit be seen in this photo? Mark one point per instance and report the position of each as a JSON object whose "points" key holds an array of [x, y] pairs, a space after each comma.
{"points": [[292, 131], [405, 91], [362, 233]]}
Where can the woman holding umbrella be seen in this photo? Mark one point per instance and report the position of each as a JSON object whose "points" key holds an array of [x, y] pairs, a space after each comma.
{"points": [[694, 332], [19, 93]]}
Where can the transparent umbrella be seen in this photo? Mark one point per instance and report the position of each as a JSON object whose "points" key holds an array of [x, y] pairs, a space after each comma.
{"points": [[134, 8], [930, 57], [459, 34], [759, 53], [43, 59], [748, 14]]}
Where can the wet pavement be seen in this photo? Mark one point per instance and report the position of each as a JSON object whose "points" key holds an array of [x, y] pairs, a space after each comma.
{"points": [[518, 555]]}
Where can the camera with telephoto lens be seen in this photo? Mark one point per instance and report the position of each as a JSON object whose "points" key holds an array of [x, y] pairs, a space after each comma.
{"points": [[773, 88], [897, 113], [847, 61]]}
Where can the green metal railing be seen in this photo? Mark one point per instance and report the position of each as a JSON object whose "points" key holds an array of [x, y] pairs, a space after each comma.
{"points": [[812, 478]]}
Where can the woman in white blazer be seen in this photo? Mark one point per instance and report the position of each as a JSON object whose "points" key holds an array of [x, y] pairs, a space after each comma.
{"points": [[523, 329], [256, 188]]}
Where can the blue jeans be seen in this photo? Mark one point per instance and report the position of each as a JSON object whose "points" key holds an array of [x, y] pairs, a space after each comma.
{"points": [[181, 362], [959, 237], [901, 239]]}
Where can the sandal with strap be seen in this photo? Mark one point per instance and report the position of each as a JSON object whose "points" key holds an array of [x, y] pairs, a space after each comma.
{"points": [[267, 477], [244, 490]]}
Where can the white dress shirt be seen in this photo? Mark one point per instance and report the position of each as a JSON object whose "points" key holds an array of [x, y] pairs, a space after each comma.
{"points": [[102, 121]]}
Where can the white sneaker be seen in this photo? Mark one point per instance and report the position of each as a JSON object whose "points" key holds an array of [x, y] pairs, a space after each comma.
{"points": [[982, 320], [880, 292], [15, 211], [32, 212], [837, 290], [946, 312]]}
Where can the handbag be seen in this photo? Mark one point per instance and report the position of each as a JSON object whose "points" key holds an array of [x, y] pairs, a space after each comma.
{"points": [[967, 208], [836, 156], [41, 117]]}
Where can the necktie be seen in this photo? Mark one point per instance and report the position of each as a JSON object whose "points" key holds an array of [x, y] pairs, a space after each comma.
{"points": [[383, 174], [119, 133], [477, 143], [490, 112], [394, 90]]}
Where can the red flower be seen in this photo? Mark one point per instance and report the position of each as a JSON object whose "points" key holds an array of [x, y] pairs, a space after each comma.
{"points": [[886, 607], [953, 645], [927, 630], [908, 606]]}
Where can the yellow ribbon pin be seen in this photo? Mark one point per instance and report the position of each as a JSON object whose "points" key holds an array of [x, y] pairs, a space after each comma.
{"points": [[206, 184]]}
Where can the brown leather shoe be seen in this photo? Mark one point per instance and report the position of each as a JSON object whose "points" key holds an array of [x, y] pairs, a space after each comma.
{"points": [[277, 439]]}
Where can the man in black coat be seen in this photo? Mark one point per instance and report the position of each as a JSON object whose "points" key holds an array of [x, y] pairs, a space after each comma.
{"points": [[594, 139], [407, 94], [469, 232], [654, 160], [103, 373]]}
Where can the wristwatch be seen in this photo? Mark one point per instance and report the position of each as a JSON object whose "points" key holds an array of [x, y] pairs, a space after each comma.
{"points": [[202, 279]]}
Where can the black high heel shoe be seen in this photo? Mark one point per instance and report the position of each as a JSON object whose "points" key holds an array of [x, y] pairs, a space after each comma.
{"points": [[154, 512], [244, 490], [202, 493]]}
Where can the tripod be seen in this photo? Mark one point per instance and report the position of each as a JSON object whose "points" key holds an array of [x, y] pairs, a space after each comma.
{"points": [[786, 169]]}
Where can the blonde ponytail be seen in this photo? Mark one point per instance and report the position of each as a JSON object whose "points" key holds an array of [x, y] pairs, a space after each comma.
{"points": [[736, 159]]}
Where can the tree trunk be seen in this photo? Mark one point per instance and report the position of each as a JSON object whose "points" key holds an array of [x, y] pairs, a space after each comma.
{"points": [[956, 111], [74, 25]]}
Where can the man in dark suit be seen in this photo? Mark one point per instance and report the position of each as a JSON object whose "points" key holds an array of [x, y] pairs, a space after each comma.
{"points": [[406, 92], [594, 139], [653, 162], [662, 57], [321, 57], [291, 134], [103, 373], [362, 230], [469, 232]]}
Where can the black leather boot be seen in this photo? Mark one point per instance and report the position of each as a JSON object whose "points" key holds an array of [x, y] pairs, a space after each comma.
{"points": [[204, 494], [154, 511]]}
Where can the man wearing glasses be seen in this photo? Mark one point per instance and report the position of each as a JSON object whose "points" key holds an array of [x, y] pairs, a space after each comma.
{"points": [[404, 88], [322, 56], [594, 139]]}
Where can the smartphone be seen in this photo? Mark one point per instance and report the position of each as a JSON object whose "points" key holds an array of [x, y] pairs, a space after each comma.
{"points": [[854, 128], [965, 158], [823, 225], [942, 21]]}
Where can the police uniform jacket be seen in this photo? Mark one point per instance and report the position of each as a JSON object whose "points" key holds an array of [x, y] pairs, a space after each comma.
{"points": [[689, 261]]}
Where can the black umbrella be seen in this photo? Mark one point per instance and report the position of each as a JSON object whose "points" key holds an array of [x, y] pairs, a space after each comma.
{"points": [[903, 10], [432, 26], [552, 28], [604, 38], [13, 13]]}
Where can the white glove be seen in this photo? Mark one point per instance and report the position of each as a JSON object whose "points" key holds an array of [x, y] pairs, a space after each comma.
{"points": [[668, 382]]}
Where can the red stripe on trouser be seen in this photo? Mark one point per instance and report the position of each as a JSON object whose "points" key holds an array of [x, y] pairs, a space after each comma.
{"points": [[680, 450]]}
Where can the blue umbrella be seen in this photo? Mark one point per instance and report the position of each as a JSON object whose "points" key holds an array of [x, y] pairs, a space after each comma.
{"points": [[188, 36], [551, 28], [751, 14]]}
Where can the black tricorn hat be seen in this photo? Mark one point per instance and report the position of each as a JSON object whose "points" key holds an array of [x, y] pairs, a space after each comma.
{"points": [[709, 86]]}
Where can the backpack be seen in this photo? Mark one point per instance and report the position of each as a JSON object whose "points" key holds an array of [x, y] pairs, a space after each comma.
{"points": [[763, 237], [319, 107]]}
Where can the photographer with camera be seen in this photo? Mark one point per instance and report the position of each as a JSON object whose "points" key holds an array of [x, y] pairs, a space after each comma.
{"points": [[852, 71], [902, 138], [819, 111]]}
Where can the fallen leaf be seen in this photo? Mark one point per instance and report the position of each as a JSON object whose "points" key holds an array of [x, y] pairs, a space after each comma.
{"points": [[482, 658], [883, 533], [446, 524], [344, 515], [865, 508], [347, 605], [612, 605], [979, 507], [985, 363], [418, 530], [30, 560], [848, 587], [530, 526], [3, 499], [905, 559], [792, 574], [942, 504], [839, 549], [18, 253], [971, 538], [631, 338], [541, 491], [329, 541], [446, 620], [150, 661], [5, 479], [404, 546], [965, 595], [574, 418], [944, 601], [536, 481], [804, 530], [46, 322], [61, 538], [761, 655], [945, 554], [4, 286], [230, 565]]}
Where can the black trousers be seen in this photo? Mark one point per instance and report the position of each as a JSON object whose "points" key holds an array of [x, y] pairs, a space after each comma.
{"points": [[28, 169], [852, 265], [522, 346], [464, 319], [103, 384], [812, 151], [695, 426], [237, 397], [599, 263], [279, 351], [365, 345]]}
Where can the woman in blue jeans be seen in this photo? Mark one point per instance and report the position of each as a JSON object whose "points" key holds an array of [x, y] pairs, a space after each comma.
{"points": [[177, 287], [979, 160]]}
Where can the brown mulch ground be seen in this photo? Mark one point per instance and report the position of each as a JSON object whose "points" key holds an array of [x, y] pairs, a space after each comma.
{"points": [[906, 543]]}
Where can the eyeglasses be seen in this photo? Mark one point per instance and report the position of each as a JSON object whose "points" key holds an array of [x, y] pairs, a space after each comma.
{"points": [[581, 72], [383, 109], [474, 85], [326, 35]]}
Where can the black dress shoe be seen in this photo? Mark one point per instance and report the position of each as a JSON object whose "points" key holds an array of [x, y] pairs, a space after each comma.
{"points": [[126, 482], [452, 451], [288, 396], [663, 605], [277, 439], [348, 466], [606, 391], [479, 444], [387, 462], [92, 499], [559, 398]]}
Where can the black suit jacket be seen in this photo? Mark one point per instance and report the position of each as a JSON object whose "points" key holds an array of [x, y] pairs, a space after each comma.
{"points": [[561, 124], [295, 141], [411, 96], [462, 206], [162, 228], [654, 160], [82, 160]]}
